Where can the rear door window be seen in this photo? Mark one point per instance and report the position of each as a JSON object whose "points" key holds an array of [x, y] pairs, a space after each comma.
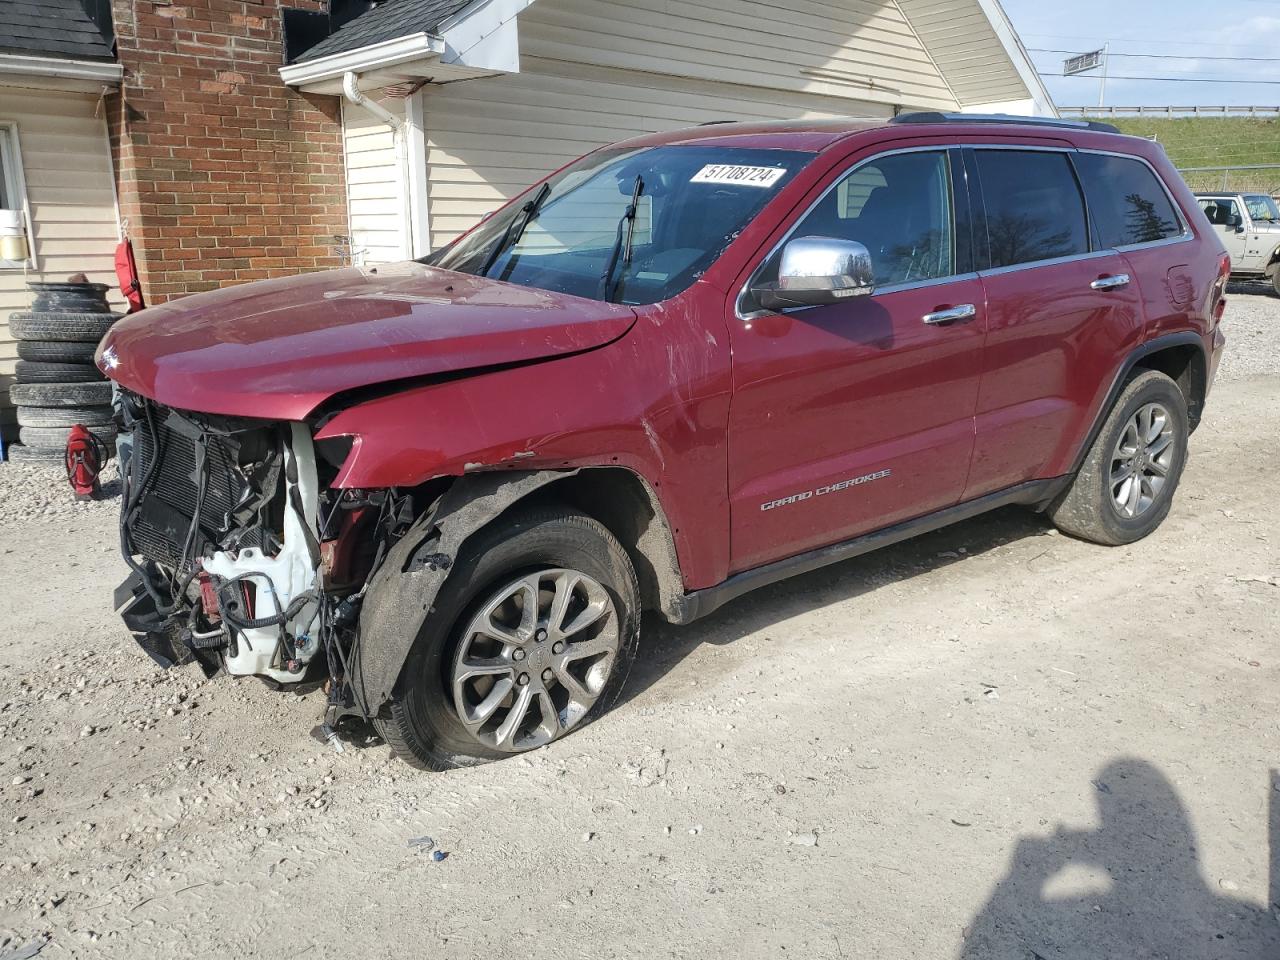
{"points": [[1034, 207], [1126, 201]]}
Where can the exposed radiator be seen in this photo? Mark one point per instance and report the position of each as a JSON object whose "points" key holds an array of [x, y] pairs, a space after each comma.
{"points": [[162, 524]]}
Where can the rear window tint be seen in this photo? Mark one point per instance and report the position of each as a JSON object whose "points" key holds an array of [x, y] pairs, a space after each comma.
{"points": [[1034, 208], [1126, 201]]}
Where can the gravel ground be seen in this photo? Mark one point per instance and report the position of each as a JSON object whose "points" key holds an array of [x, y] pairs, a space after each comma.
{"points": [[991, 742], [1252, 326]]}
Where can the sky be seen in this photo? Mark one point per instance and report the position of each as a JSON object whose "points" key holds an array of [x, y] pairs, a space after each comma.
{"points": [[1178, 30]]}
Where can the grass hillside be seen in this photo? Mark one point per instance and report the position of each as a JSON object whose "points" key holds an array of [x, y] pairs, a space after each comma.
{"points": [[1215, 142]]}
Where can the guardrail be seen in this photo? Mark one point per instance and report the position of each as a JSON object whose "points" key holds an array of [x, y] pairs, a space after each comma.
{"points": [[1171, 111]]}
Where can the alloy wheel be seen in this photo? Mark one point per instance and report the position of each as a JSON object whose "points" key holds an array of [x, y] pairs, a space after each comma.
{"points": [[534, 659], [1142, 460]]}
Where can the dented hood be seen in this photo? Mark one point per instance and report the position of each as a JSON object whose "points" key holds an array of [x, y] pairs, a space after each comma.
{"points": [[279, 348]]}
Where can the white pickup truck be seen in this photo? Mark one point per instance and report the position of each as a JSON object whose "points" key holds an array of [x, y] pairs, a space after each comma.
{"points": [[1249, 224]]}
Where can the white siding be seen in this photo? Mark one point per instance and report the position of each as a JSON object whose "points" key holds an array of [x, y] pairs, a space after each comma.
{"points": [[596, 71], [965, 46], [374, 188], [845, 48], [489, 139], [67, 167]]}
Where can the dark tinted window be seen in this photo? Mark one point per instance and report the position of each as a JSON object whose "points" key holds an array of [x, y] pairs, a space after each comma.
{"points": [[899, 208], [1034, 207], [1126, 201]]}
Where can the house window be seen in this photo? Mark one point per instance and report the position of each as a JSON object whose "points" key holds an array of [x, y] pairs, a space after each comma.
{"points": [[12, 193]]}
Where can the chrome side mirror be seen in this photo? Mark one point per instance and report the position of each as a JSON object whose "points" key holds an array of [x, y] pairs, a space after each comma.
{"points": [[818, 270]]}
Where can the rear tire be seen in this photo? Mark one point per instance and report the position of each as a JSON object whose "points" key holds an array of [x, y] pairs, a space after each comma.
{"points": [[1275, 282], [1126, 484], [425, 722]]}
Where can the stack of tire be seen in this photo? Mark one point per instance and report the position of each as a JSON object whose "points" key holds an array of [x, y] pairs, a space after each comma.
{"points": [[56, 383]]}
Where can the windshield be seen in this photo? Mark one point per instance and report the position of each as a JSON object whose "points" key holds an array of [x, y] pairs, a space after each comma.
{"points": [[633, 226], [1262, 207]]}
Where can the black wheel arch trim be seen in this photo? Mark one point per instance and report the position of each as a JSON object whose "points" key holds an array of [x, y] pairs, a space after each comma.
{"points": [[402, 593], [1185, 338]]}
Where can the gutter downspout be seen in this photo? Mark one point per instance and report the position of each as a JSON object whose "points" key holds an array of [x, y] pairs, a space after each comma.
{"points": [[351, 90]]}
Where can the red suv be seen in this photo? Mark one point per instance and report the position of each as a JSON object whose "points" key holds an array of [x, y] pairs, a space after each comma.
{"points": [[677, 369]]}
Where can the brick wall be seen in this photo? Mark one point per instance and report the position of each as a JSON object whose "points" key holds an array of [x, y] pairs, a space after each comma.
{"points": [[225, 174]]}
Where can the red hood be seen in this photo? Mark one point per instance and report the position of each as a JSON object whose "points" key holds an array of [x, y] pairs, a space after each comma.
{"points": [[278, 348]]}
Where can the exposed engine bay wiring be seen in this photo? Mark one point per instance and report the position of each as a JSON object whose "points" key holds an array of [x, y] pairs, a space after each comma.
{"points": [[244, 559]]}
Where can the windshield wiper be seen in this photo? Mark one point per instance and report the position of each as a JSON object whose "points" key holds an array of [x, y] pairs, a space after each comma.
{"points": [[623, 244], [511, 236]]}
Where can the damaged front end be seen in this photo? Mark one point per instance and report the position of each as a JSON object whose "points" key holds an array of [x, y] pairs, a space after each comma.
{"points": [[243, 559]]}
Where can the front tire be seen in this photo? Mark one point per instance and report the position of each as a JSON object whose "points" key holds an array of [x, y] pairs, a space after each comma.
{"points": [[1126, 485], [531, 638]]}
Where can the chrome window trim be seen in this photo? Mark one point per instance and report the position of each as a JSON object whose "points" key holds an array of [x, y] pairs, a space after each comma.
{"points": [[1184, 237], [1051, 262], [1126, 247], [916, 284]]}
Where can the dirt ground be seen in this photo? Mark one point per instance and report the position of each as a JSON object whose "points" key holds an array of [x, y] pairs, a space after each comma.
{"points": [[992, 742]]}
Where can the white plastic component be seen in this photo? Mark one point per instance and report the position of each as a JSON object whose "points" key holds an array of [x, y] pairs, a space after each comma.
{"points": [[289, 574]]}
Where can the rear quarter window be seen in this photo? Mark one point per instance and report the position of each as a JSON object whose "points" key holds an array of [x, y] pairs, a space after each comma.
{"points": [[1126, 201]]}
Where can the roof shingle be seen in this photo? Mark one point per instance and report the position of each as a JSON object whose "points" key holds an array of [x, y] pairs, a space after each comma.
{"points": [[389, 21], [53, 28]]}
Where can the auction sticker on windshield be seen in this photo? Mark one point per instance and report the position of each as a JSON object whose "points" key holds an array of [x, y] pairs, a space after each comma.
{"points": [[740, 175]]}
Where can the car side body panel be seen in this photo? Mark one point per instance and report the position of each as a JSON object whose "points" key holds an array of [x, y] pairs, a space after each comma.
{"points": [[1051, 340], [655, 402]]}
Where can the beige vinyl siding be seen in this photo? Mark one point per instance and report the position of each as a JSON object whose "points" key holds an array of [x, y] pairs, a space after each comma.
{"points": [[66, 163], [853, 48], [966, 49], [489, 139], [374, 198]]}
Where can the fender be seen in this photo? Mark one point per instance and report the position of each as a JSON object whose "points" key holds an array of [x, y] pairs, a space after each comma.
{"points": [[1181, 339], [655, 403], [403, 591]]}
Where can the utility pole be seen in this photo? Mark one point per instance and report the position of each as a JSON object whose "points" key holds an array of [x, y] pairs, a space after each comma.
{"points": [[1102, 85]]}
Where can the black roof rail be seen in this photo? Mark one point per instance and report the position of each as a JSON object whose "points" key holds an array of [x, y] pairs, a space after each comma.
{"points": [[934, 117]]}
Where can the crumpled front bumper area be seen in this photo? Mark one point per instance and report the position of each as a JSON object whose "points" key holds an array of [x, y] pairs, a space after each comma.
{"points": [[158, 635], [219, 526]]}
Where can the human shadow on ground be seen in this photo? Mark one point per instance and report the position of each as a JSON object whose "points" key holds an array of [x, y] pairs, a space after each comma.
{"points": [[1143, 895]]}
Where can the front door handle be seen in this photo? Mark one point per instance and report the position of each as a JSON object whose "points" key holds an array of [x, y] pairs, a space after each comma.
{"points": [[1111, 283], [966, 311]]}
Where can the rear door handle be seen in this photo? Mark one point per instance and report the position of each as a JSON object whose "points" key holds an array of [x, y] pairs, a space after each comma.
{"points": [[966, 311], [1111, 283]]}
